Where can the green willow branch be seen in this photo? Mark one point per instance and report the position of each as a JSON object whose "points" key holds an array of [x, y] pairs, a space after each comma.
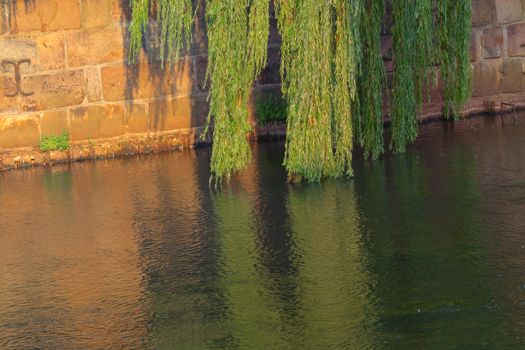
{"points": [[404, 119], [368, 125], [238, 33], [453, 36]]}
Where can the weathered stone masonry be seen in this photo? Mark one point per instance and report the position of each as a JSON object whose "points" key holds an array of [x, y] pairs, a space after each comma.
{"points": [[64, 67]]}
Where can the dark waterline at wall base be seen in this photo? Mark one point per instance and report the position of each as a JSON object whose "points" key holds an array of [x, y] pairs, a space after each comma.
{"points": [[135, 145]]}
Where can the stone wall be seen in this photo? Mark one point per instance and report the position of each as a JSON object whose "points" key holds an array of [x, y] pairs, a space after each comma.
{"points": [[497, 54], [74, 76], [64, 67]]}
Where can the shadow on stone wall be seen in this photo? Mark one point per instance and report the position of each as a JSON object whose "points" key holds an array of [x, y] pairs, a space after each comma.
{"points": [[179, 87], [10, 9]]}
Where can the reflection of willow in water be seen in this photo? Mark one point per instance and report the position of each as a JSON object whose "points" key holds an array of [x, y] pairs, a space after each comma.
{"points": [[292, 287], [425, 247], [250, 321], [332, 286], [178, 253]]}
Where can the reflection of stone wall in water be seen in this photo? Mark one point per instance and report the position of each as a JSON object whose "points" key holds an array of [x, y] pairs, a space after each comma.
{"points": [[63, 68]]}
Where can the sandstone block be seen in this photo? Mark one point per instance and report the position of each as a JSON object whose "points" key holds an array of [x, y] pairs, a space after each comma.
{"points": [[483, 12], [508, 11], [178, 113], [473, 46], [95, 122], [54, 123], [51, 51], [145, 80], [492, 42], [93, 83], [49, 15], [512, 79], [136, 119], [96, 13], [516, 39], [486, 79], [19, 131], [53, 90], [95, 46]]}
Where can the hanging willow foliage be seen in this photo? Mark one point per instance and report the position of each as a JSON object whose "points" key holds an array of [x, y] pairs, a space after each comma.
{"points": [[306, 28], [319, 68], [453, 36], [368, 125], [175, 18], [424, 49], [238, 33], [345, 86], [404, 121], [332, 71], [414, 62]]}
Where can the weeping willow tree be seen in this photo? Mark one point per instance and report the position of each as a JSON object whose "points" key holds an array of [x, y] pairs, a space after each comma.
{"points": [[332, 72]]}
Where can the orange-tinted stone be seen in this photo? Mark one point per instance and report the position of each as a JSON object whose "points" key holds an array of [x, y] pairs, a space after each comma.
{"points": [[49, 15], [95, 122], [136, 119], [178, 113], [94, 47], [51, 51], [93, 84], [143, 80], [19, 131], [54, 122], [8, 104], [96, 13], [53, 90]]}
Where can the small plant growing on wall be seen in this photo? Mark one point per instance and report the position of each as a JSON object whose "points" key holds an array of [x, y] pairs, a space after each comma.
{"points": [[55, 142], [271, 109]]}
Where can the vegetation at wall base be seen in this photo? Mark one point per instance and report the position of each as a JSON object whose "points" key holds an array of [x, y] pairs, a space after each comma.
{"points": [[271, 109], [55, 142], [332, 72]]}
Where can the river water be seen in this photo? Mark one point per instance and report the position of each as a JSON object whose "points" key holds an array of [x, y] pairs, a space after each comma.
{"points": [[420, 251]]}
